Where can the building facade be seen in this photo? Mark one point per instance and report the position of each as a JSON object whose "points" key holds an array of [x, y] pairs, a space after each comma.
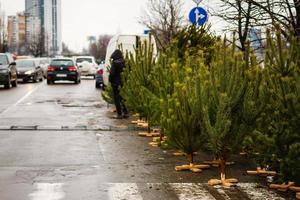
{"points": [[43, 21], [16, 33]]}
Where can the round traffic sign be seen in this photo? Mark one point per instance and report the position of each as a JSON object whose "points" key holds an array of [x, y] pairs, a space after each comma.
{"points": [[198, 15]]}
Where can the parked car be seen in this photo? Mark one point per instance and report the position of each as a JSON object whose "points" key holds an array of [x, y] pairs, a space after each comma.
{"points": [[63, 69], [29, 70], [99, 76], [87, 65], [44, 63], [8, 71]]}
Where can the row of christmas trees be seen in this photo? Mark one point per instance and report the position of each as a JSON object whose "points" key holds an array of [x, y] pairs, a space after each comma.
{"points": [[207, 95]]}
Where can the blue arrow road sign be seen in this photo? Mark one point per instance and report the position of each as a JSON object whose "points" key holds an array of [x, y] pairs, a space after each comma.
{"points": [[198, 16]]}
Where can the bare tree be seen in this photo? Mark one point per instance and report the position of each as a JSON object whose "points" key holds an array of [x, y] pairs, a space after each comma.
{"points": [[98, 48], [283, 12], [238, 14], [244, 14], [164, 19], [36, 45]]}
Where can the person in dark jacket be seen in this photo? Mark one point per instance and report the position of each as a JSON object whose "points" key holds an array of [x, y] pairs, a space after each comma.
{"points": [[117, 67]]}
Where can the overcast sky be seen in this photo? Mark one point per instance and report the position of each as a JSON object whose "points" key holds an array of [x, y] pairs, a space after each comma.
{"points": [[81, 18]]}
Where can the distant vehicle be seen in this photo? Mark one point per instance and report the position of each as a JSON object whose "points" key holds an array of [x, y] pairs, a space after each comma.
{"points": [[44, 63], [8, 71], [23, 57], [87, 65], [99, 76], [63, 69], [127, 43], [29, 69]]}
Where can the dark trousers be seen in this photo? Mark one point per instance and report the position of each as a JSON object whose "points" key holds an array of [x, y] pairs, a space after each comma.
{"points": [[118, 100]]}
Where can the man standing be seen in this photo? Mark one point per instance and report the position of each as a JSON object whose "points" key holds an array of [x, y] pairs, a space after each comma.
{"points": [[117, 66]]}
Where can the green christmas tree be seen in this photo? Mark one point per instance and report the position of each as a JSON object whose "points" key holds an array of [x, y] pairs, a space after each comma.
{"points": [[278, 132], [229, 108], [178, 80], [138, 91]]}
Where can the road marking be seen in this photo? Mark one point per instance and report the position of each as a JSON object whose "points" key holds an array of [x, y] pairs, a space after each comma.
{"points": [[20, 100], [256, 192], [191, 191], [128, 191], [48, 191]]}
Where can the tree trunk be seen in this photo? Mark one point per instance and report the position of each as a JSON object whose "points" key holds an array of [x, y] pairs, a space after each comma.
{"points": [[297, 7], [222, 169], [191, 158]]}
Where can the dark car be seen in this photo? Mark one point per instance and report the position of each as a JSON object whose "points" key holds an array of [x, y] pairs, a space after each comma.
{"points": [[8, 71], [29, 70], [63, 69]]}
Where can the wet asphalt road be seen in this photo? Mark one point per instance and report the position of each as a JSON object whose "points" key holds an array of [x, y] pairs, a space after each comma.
{"points": [[59, 142]]}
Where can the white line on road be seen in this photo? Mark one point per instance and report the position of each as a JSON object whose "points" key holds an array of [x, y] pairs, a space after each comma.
{"points": [[191, 191], [48, 191], [128, 191], [20, 100], [256, 192]]}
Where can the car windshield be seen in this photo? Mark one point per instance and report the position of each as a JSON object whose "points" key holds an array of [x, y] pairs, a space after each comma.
{"points": [[62, 62], [25, 63], [3, 60], [80, 60]]}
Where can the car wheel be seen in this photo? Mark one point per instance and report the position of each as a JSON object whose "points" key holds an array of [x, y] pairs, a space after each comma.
{"points": [[49, 82], [76, 82], [8, 84], [41, 79], [14, 83]]}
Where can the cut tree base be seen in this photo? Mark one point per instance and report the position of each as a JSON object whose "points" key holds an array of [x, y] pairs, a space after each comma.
{"points": [[146, 134], [192, 167], [156, 142], [298, 196], [262, 172], [216, 163], [282, 187], [295, 188], [137, 121], [226, 182], [180, 153]]}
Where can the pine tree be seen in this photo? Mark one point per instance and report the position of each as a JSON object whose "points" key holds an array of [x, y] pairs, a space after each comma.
{"points": [[178, 80], [278, 133], [138, 91], [229, 110]]}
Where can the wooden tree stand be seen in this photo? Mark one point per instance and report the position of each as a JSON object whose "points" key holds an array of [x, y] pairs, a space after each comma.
{"points": [[232, 182], [137, 121], [217, 163], [223, 181], [192, 167], [262, 172], [151, 134], [294, 188], [158, 141], [180, 153], [282, 187], [298, 195]]}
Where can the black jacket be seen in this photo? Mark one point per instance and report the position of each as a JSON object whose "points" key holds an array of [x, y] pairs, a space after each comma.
{"points": [[117, 67]]}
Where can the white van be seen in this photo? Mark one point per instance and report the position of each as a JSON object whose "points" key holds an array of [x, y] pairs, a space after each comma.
{"points": [[128, 43]]}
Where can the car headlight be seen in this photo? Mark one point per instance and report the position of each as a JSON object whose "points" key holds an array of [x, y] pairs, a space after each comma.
{"points": [[29, 72]]}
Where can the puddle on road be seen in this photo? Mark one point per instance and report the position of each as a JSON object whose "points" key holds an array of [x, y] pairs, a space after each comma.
{"points": [[48, 191]]}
